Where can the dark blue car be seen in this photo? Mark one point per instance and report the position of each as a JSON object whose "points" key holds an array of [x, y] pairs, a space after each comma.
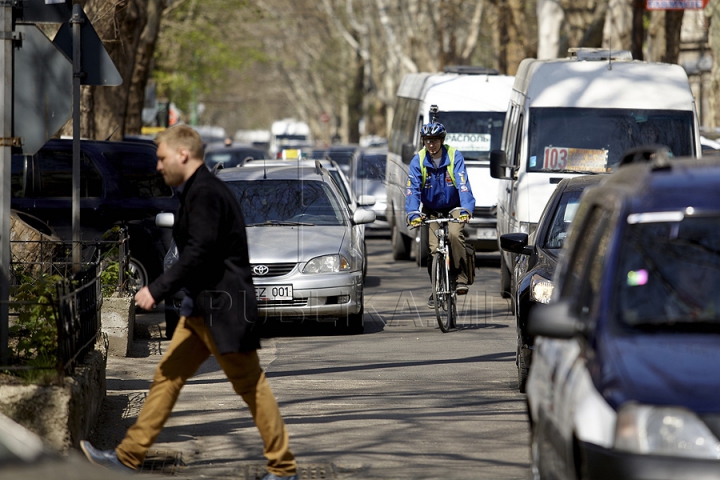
{"points": [[537, 255], [623, 382]]}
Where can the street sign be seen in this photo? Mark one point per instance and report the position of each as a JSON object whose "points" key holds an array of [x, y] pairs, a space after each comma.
{"points": [[45, 11], [97, 65], [42, 88], [676, 4]]}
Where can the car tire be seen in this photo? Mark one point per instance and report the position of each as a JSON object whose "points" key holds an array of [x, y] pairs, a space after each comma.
{"points": [[536, 472], [504, 279], [523, 367], [356, 322], [400, 244], [138, 275]]}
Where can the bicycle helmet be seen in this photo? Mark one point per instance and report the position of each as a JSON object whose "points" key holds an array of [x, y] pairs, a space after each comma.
{"points": [[433, 129]]}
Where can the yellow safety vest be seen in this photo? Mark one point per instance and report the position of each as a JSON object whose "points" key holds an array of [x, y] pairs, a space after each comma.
{"points": [[451, 154]]}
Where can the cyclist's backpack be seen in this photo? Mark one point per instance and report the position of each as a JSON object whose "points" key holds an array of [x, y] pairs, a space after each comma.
{"points": [[470, 263]]}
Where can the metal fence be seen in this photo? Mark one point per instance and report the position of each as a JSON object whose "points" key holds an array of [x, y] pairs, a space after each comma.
{"points": [[74, 302], [78, 320]]}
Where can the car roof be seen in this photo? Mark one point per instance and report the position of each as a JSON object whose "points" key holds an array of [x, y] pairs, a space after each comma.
{"points": [[232, 148], [581, 182], [667, 184], [258, 171], [373, 151]]}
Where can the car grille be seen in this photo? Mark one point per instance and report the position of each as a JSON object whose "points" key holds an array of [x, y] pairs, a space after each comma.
{"points": [[274, 269], [295, 302]]}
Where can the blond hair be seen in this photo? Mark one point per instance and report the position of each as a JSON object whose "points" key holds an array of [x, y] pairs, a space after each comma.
{"points": [[179, 136]]}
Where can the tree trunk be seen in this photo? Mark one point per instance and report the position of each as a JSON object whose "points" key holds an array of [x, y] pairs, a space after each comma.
{"points": [[673, 26], [550, 17], [142, 70], [713, 13], [638, 29]]}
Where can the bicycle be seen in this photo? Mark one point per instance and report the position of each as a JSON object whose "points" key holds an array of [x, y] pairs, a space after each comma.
{"points": [[443, 283]]}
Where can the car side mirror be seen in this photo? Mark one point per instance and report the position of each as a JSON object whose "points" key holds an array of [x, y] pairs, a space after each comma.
{"points": [[516, 243], [408, 152], [361, 216], [498, 164], [366, 200], [165, 220], [554, 320]]}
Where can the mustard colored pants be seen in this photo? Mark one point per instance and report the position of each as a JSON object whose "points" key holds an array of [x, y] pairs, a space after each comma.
{"points": [[457, 246], [190, 346]]}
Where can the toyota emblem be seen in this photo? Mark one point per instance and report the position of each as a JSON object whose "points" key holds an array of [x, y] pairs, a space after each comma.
{"points": [[260, 270]]}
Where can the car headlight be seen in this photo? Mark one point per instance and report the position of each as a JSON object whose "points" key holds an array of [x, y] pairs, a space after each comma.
{"points": [[327, 264], [540, 289], [671, 431]]}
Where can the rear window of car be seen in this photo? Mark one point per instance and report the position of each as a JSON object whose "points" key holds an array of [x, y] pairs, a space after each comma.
{"points": [[137, 176], [54, 176], [277, 202]]}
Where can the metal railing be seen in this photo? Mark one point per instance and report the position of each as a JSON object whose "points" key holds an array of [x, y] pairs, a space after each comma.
{"points": [[78, 320], [73, 304]]}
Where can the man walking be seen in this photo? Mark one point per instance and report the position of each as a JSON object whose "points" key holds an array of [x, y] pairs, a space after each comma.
{"points": [[217, 317]]}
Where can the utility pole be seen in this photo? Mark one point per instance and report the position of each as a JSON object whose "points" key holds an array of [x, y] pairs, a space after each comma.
{"points": [[6, 141]]}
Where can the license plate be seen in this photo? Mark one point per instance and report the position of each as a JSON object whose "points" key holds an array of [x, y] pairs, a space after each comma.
{"points": [[486, 233], [274, 292]]}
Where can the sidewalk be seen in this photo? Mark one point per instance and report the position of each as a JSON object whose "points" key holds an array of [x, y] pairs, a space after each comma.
{"points": [[210, 433]]}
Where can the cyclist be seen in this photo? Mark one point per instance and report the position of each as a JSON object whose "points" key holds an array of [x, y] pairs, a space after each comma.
{"points": [[437, 178]]}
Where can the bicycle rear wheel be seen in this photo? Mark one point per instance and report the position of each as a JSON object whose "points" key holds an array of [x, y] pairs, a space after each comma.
{"points": [[444, 305]]}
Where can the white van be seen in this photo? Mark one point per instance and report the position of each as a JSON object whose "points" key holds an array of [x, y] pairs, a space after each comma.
{"points": [[288, 133], [472, 102], [577, 115]]}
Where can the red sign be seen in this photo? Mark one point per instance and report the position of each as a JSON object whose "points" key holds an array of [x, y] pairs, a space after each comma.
{"points": [[676, 4]]}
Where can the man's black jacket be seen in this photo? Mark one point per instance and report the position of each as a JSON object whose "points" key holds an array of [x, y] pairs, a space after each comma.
{"points": [[213, 263]]}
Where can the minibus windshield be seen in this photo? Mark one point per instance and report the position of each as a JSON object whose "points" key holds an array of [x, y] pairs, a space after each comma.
{"points": [[592, 140], [473, 133]]}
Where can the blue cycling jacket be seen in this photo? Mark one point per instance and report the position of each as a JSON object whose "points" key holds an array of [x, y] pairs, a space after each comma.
{"points": [[439, 192]]}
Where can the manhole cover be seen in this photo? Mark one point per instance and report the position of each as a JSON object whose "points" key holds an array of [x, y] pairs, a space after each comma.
{"points": [[162, 461], [314, 471]]}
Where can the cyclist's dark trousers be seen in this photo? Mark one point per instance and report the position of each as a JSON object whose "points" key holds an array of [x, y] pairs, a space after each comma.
{"points": [[457, 244]]}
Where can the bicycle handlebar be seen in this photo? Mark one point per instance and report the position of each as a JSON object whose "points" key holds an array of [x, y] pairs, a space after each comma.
{"points": [[425, 221]]}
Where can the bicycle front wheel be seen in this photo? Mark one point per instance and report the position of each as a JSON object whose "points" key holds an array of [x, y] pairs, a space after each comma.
{"points": [[444, 305]]}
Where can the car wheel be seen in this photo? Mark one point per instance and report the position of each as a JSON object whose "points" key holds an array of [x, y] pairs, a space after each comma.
{"points": [[400, 244], [356, 322], [504, 279], [523, 366], [137, 275]]}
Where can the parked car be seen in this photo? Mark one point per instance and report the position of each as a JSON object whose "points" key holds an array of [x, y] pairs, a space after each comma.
{"points": [[340, 153], [119, 185], [231, 156], [367, 177], [621, 384], [531, 283], [306, 246]]}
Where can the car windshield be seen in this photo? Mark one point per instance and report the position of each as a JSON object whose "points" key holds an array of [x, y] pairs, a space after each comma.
{"points": [[287, 202], [592, 140], [371, 167], [561, 219], [669, 273], [473, 133]]}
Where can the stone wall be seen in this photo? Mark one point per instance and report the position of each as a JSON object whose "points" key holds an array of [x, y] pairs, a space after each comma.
{"points": [[61, 414]]}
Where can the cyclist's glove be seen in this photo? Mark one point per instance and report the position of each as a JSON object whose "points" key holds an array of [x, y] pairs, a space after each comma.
{"points": [[464, 217], [415, 222]]}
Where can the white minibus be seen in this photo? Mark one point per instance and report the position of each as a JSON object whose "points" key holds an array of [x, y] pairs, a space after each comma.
{"points": [[577, 115], [472, 102]]}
